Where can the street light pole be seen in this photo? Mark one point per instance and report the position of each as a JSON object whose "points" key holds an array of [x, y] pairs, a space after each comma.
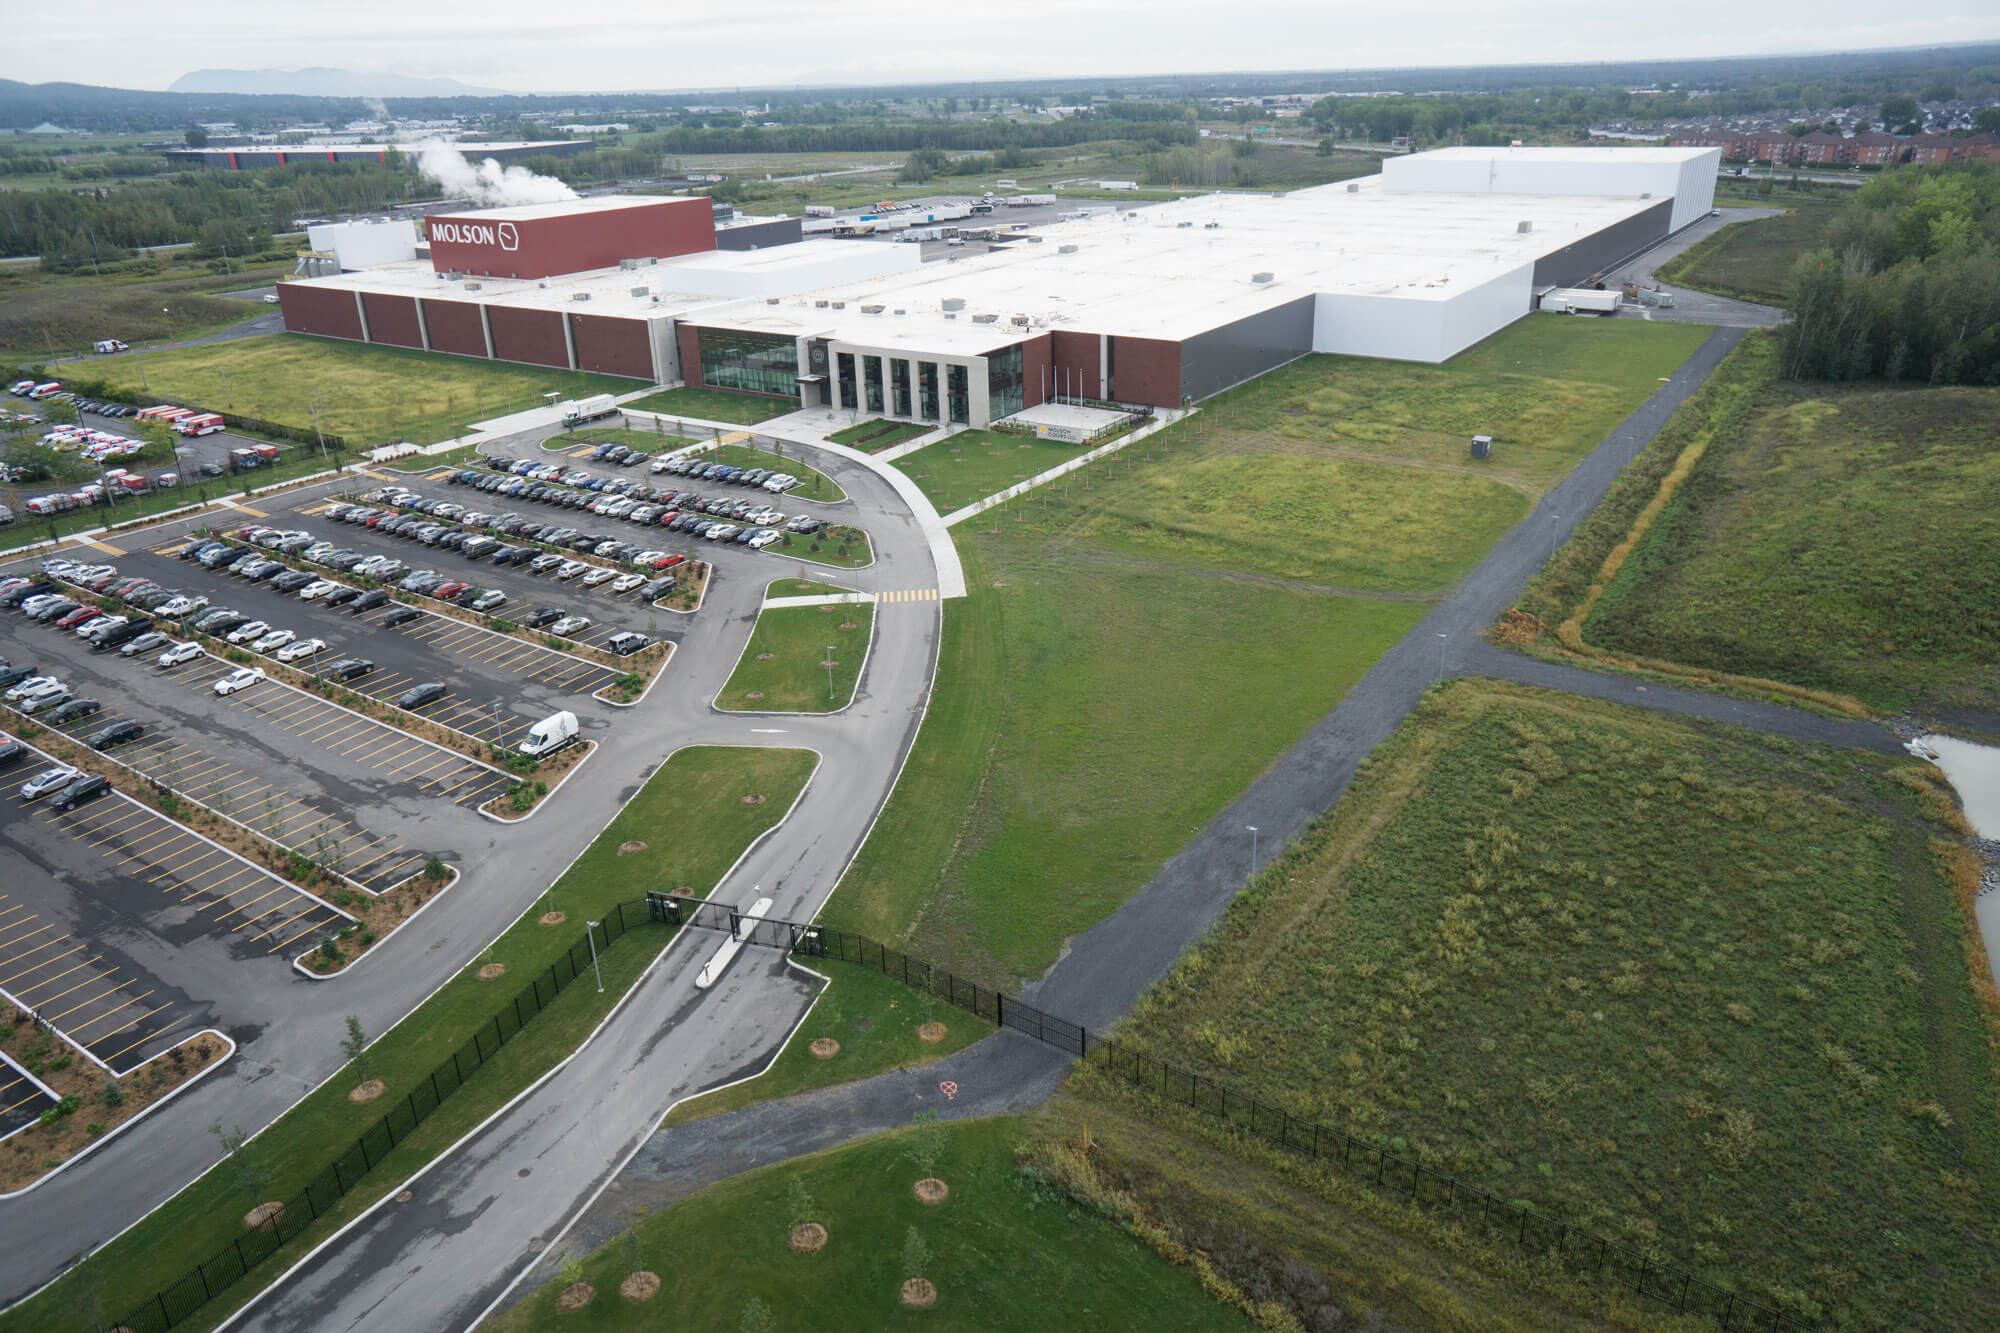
{"points": [[590, 933], [1253, 849], [829, 673], [1442, 639]]}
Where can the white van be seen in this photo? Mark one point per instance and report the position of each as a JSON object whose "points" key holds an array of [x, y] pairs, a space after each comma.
{"points": [[547, 736]]}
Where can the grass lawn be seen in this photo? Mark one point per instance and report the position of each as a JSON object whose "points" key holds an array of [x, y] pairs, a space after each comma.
{"points": [[745, 409], [1835, 537], [1006, 1252], [814, 484], [697, 793], [877, 434], [836, 545], [974, 464], [1694, 988], [783, 667], [44, 315], [653, 442], [1753, 260], [368, 394], [874, 1018]]}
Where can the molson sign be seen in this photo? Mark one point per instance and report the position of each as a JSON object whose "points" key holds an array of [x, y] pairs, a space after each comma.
{"points": [[501, 234]]}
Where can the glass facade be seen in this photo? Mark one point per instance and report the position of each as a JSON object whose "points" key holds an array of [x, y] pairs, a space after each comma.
{"points": [[753, 362], [958, 393], [899, 387], [871, 369], [1003, 383], [927, 390], [847, 391]]}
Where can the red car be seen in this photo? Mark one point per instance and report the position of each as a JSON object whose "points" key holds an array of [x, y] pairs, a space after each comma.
{"points": [[451, 589], [671, 561], [77, 617]]}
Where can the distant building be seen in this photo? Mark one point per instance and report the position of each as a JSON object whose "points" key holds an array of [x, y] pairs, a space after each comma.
{"points": [[1868, 149], [245, 159]]}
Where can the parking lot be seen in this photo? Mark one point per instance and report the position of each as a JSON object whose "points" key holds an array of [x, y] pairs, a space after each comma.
{"points": [[22, 1098], [200, 460], [115, 918]]}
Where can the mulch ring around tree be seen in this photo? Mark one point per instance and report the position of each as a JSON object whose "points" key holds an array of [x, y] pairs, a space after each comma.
{"points": [[932, 1032], [919, 1294], [367, 1092], [765, 657], [640, 1286], [632, 848], [930, 1190], [492, 971], [263, 1215], [846, 625], [825, 1047], [807, 1238], [575, 1296], [754, 694], [754, 798], [553, 918]]}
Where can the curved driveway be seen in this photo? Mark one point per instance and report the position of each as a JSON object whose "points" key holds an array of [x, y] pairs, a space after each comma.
{"points": [[655, 1048]]}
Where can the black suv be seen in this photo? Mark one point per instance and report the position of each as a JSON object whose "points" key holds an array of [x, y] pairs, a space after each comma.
{"points": [[116, 734], [348, 668], [83, 787]]}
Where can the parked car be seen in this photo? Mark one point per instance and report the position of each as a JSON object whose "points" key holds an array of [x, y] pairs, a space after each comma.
{"points": [[428, 692], [46, 781], [144, 643], [349, 668], [570, 625], [73, 711], [547, 615], [125, 729], [302, 648], [240, 679], [368, 601], [486, 599], [83, 787], [276, 639], [242, 634], [179, 653]]}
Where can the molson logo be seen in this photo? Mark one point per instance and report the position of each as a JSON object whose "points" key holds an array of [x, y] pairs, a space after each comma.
{"points": [[476, 233]]}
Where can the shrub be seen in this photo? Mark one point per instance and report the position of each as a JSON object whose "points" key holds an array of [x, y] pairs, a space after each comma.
{"points": [[112, 1093], [434, 867]]}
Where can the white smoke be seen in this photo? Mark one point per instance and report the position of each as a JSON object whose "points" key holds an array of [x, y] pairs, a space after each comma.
{"points": [[377, 108], [489, 182]]}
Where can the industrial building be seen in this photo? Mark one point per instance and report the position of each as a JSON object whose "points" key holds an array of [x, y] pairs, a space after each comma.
{"points": [[274, 155], [1157, 306]]}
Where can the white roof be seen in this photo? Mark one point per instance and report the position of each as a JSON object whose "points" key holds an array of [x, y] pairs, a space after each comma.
{"points": [[1587, 154], [603, 203]]}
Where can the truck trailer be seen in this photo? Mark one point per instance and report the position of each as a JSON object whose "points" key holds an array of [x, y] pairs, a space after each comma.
{"points": [[593, 408]]}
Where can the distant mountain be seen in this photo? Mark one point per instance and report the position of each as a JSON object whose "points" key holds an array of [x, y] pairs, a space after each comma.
{"points": [[323, 82]]}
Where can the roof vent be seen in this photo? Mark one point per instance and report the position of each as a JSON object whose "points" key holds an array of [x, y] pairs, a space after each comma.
{"points": [[1066, 249], [840, 305], [1523, 227], [954, 303], [949, 315], [1020, 321], [628, 263], [640, 291], [820, 304], [871, 310], [984, 319], [770, 300], [543, 283], [1647, 195], [1183, 226], [473, 286], [902, 312], [1354, 189], [579, 296], [1260, 278]]}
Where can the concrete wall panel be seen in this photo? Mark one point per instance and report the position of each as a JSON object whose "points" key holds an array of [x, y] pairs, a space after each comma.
{"points": [[612, 346], [454, 327], [534, 336]]}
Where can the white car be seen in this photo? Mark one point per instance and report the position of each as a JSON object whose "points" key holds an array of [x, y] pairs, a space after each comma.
{"points": [[97, 625], [256, 629], [240, 679], [176, 607], [41, 599], [569, 625], [46, 781], [179, 653], [273, 641], [627, 582], [292, 652], [764, 537], [317, 589], [569, 569], [32, 687], [599, 576]]}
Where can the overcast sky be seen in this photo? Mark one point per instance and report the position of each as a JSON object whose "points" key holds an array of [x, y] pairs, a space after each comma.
{"points": [[536, 46]]}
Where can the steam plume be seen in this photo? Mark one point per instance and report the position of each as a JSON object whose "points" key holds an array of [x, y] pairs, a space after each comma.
{"points": [[489, 182]]}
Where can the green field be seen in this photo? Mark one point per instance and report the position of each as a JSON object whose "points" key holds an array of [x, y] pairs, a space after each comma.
{"points": [[974, 464], [49, 315], [744, 409], [368, 393], [875, 1019], [697, 793], [814, 484], [1753, 260], [1836, 538], [1006, 1253], [1699, 990], [793, 677], [877, 434]]}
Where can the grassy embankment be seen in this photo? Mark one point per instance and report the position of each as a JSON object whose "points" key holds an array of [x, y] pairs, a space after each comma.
{"points": [[369, 394], [783, 668], [1700, 990], [697, 794], [1753, 260], [744, 409], [1006, 1252], [974, 464], [1832, 539], [47, 315]]}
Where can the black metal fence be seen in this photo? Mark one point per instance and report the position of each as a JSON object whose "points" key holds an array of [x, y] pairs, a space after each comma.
{"points": [[201, 1284], [1576, 1248]]}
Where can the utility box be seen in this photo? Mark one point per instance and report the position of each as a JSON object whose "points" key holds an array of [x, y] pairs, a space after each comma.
{"points": [[1482, 446]]}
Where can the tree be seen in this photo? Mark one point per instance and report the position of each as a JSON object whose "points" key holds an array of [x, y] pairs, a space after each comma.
{"points": [[1899, 110], [355, 1047], [196, 137], [799, 1202], [757, 1317], [916, 1254], [1986, 120], [926, 1142], [923, 164]]}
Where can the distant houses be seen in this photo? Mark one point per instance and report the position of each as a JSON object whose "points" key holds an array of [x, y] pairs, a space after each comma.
{"points": [[1820, 149]]}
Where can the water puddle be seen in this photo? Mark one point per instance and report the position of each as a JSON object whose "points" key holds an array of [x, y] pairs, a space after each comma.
{"points": [[1974, 771]]}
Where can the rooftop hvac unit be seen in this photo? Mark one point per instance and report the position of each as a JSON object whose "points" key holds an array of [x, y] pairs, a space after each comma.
{"points": [[474, 286], [984, 319], [1523, 228], [840, 305], [543, 283], [949, 315], [628, 263], [770, 300], [1260, 278], [640, 291], [871, 310], [1647, 195], [902, 312], [1183, 226], [820, 304], [579, 296], [954, 303], [1020, 321], [1065, 249], [1354, 189]]}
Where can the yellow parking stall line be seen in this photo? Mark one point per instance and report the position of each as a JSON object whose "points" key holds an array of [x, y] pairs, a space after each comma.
{"points": [[110, 830], [432, 760], [172, 548], [185, 868], [27, 991], [351, 745], [113, 1013], [230, 790], [209, 764], [376, 859], [18, 907], [292, 706], [397, 871], [473, 777], [243, 926], [152, 845], [373, 746], [113, 990], [52, 958], [105, 547], [286, 828], [299, 936], [332, 728], [309, 909], [317, 509], [123, 1026], [128, 1046]]}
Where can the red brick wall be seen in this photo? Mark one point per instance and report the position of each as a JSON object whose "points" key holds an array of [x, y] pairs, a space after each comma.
{"points": [[455, 327], [1074, 360], [690, 354], [324, 310], [1035, 386], [613, 346], [393, 319], [570, 243], [534, 336], [1146, 370]]}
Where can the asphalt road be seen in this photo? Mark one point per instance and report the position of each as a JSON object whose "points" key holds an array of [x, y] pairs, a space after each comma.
{"points": [[1691, 306]]}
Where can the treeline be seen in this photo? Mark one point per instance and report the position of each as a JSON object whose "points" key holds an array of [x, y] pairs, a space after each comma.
{"points": [[907, 136], [236, 210], [1907, 285]]}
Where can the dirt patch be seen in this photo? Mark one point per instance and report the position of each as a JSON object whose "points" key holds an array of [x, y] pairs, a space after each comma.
{"points": [[808, 1238], [846, 625], [931, 1190], [553, 918], [825, 610], [932, 1032], [575, 1296], [754, 798], [367, 1092], [825, 1048], [754, 694], [492, 971], [919, 1294], [263, 1215], [640, 1286], [632, 848], [765, 657]]}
